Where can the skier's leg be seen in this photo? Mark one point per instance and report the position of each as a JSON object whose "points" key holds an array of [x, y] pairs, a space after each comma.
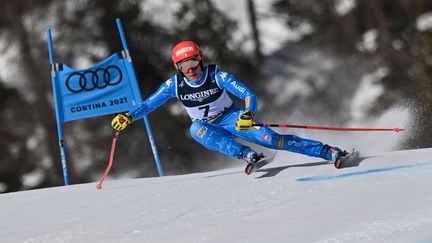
{"points": [[302, 145], [216, 138], [268, 138]]}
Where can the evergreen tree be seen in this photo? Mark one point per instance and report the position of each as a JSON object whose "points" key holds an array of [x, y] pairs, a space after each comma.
{"points": [[400, 47]]}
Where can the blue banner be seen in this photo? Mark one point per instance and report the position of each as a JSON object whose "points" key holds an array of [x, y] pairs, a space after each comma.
{"points": [[106, 88]]}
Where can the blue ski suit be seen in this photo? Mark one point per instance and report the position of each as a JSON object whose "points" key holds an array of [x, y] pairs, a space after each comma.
{"points": [[214, 115]]}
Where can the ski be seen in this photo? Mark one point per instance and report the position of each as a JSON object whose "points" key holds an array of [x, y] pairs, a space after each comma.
{"points": [[252, 167], [345, 160]]}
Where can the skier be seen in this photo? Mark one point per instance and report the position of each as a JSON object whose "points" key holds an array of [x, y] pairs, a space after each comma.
{"points": [[216, 121]]}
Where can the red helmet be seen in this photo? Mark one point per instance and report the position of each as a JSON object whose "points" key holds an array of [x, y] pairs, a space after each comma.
{"points": [[185, 50]]}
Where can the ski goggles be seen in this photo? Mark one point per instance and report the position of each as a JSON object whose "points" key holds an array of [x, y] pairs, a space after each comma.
{"points": [[188, 64]]}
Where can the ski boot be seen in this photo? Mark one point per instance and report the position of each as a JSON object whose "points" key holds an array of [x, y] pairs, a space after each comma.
{"points": [[252, 158], [338, 157]]}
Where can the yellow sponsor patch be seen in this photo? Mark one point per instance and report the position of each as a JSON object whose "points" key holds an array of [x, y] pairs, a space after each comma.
{"points": [[202, 131], [281, 142]]}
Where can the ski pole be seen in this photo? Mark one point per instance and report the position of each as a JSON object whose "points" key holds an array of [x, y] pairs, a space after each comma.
{"points": [[111, 158], [329, 128]]}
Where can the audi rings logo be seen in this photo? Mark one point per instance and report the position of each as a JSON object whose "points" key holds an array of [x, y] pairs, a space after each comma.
{"points": [[94, 79]]}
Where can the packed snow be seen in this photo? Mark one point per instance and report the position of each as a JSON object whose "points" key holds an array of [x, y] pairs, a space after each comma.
{"points": [[382, 197]]}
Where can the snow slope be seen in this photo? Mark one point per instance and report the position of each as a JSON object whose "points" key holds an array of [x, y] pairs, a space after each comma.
{"points": [[385, 198]]}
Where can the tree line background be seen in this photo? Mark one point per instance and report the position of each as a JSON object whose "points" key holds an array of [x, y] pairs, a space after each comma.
{"points": [[85, 33]]}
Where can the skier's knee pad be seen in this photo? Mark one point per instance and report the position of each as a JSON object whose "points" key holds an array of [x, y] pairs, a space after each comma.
{"points": [[214, 138], [198, 130]]}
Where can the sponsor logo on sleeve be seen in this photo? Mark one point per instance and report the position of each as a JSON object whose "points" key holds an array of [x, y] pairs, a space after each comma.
{"points": [[223, 75], [238, 87], [168, 83]]}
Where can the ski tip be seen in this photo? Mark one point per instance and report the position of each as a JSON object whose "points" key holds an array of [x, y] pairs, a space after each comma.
{"points": [[342, 160], [337, 163], [249, 169]]}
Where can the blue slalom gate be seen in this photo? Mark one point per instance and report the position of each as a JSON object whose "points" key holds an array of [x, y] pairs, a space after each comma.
{"points": [[108, 87]]}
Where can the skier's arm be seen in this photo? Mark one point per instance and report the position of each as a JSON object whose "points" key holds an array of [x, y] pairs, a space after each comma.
{"points": [[165, 92], [237, 88]]}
